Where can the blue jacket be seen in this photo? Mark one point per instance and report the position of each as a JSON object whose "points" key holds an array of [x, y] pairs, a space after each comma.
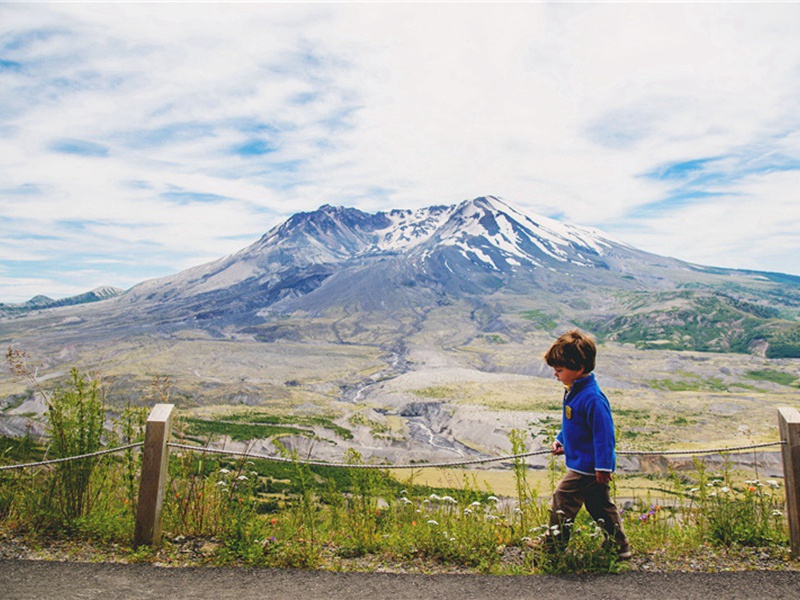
{"points": [[587, 428]]}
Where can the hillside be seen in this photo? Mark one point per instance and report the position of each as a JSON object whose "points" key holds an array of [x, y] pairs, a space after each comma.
{"points": [[420, 334]]}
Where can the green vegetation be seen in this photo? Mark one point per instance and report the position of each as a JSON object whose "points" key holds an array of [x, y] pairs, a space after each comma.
{"points": [[691, 383], [779, 377], [701, 321], [251, 425], [540, 319], [290, 514]]}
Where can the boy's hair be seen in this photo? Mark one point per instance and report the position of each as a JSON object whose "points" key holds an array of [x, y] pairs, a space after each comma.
{"points": [[573, 350]]}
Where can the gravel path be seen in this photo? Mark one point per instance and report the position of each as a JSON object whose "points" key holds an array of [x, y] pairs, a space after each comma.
{"points": [[44, 580]]}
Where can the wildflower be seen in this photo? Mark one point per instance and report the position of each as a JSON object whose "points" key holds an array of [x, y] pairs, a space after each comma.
{"points": [[560, 512], [224, 471], [413, 523], [475, 504], [518, 510], [404, 492], [434, 497], [221, 483], [725, 490], [405, 500], [242, 478], [493, 499], [273, 521], [432, 522], [467, 511], [449, 499], [491, 517], [452, 539], [693, 490], [777, 513], [772, 483]]}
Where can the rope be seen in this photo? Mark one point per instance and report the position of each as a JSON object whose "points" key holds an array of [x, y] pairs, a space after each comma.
{"points": [[697, 452], [54, 461], [475, 461], [320, 463]]}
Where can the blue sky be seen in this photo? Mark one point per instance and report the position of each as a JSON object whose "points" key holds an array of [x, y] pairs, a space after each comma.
{"points": [[139, 139]]}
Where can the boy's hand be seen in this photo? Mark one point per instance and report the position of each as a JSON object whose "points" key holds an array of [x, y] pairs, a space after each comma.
{"points": [[603, 477], [558, 448]]}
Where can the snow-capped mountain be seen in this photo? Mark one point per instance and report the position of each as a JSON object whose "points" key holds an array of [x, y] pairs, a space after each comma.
{"points": [[342, 274], [485, 235]]}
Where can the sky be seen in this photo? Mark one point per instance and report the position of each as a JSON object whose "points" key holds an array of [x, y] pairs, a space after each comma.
{"points": [[140, 139]]}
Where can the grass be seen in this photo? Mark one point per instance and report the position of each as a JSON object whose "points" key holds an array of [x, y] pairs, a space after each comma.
{"points": [[260, 512], [779, 377]]}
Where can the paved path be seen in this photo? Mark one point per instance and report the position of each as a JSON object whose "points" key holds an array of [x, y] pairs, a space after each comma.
{"points": [[41, 580]]}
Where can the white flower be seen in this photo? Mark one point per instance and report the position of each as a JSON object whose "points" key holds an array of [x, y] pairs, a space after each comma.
{"points": [[452, 539], [404, 492], [467, 511], [693, 490], [725, 490], [475, 504], [434, 497], [221, 483], [405, 500], [560, 512], [493, 499], [449, 499], [777, 513], [491, 517], [242, 478], [432, 522], [224, 471], [772, 483]]}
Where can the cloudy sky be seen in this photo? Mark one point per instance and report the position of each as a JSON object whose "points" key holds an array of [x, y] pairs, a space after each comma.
{"points": [[138, 139]]}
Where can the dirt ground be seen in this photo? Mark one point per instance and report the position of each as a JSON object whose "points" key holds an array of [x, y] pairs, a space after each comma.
{"points": [[45, 580]]}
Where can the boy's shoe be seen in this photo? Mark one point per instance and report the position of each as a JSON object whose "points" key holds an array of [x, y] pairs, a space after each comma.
{"points": [[624, 552]]}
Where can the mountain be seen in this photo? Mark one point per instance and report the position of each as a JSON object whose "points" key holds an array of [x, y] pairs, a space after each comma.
{"points": [[40, 302], [342, 275]]}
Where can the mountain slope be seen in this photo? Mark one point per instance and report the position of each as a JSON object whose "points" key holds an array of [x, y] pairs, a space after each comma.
{"points": [[343, 275]]}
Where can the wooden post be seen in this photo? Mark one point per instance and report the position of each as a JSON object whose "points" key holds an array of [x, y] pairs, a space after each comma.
{"points": [[789, 424], [154, 475]]}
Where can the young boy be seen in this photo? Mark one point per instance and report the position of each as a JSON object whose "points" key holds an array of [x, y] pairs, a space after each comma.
{"points": [[587, 442]]}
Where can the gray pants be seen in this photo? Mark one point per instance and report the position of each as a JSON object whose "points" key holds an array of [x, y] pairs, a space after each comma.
{"points": [[575, 490]]}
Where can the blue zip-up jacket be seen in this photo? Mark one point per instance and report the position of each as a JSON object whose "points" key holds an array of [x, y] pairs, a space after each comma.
{"points": [[587, 428]]}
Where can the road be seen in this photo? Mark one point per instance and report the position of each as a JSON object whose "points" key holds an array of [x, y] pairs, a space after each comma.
{"points": [[46, 580]]}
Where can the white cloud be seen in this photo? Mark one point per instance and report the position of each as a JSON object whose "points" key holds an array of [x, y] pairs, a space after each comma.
{"points": [[116, 114]]}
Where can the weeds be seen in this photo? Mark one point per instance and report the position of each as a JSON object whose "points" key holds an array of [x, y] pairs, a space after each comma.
{"points": [[295, 515]]}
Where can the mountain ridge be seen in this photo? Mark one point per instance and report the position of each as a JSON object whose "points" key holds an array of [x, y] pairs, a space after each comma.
{"points": [[348, 275]]}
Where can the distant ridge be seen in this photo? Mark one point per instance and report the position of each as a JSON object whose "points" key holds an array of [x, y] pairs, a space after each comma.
{"points": [[41, 302]]}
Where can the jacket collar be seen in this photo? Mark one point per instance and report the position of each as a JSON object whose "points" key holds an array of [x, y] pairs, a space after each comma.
{"points": [[578, 385]]}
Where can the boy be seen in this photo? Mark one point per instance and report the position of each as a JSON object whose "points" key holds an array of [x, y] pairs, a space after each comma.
{"points": [[587, 442]]}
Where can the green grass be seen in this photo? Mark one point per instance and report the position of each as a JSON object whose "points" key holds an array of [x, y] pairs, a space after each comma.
{"points": [[541, 319], [778, 377]]}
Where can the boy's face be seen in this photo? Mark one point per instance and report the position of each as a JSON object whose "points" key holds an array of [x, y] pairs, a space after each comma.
{"points": [[567, 376]]}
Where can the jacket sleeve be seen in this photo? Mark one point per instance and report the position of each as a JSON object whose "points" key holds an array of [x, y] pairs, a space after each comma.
{"points": [[603, 434]]}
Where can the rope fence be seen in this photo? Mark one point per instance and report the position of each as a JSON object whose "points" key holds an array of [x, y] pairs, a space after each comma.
{"points": [[156, 450], [349, 465], [55, 461], [459, 463]]}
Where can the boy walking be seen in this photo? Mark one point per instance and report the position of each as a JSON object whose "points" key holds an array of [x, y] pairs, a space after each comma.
{"points": [[587, 442]]}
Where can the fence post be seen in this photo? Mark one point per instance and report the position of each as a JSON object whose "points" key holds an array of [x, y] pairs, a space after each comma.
{"points": [[789, 424], [154, 475]]}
